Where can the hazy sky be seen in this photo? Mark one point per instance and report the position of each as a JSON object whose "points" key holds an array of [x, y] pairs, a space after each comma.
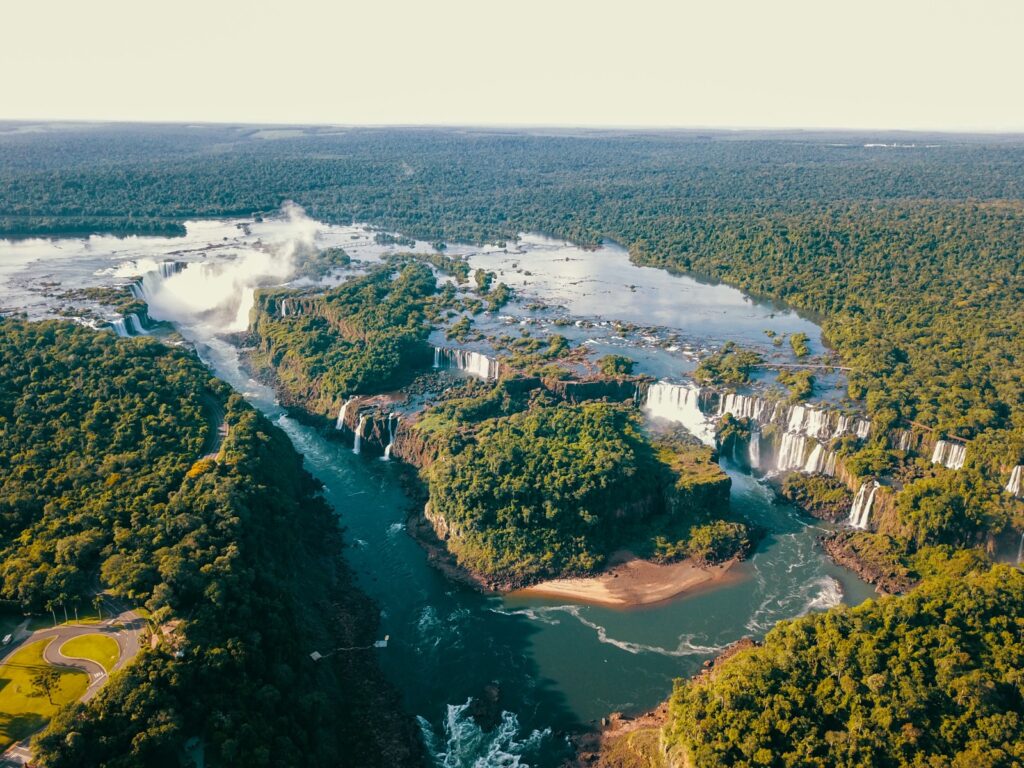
{"points": [[812, 63]]}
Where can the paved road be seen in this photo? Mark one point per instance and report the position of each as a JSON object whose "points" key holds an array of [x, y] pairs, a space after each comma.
{"points": [[124, 626], [218, 426]]}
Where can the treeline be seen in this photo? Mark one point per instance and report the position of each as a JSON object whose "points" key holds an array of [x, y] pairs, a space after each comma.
{"points": [[237, 558], [932, 678]]}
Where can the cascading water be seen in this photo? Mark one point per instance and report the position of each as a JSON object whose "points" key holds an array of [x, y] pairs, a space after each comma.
{"points": [[680, 403], [743, 407], [860, 512], [135, 324], [806, 420], [1014, 485], [392, 425], [948, 454], [120, 328], [815, 460], [754, 449], [473, 363], [284, 307], [340, 423], [901, 440], [218, 295], [830, 464], [358, 443], [791, 452]]}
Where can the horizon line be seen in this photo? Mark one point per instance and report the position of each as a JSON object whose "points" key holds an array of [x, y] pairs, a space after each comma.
{"points": [[638, 127]]}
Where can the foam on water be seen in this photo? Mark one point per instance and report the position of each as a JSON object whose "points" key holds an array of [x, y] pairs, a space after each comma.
{"points": [[686, 646], [462, 743]]}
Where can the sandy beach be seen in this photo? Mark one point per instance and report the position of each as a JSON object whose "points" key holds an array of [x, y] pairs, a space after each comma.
{"points": [[631, 582]]}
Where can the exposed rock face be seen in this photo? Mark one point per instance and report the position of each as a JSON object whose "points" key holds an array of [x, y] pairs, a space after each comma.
{"points": [[411, 447], [279, 304], [848, 549], [442, 528], [619, 390]]}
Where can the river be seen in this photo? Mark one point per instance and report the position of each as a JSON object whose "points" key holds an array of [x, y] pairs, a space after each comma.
{"points": [[557, 666]]}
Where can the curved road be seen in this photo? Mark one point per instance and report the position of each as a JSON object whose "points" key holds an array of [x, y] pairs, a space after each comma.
{"points": [[124, 627]]}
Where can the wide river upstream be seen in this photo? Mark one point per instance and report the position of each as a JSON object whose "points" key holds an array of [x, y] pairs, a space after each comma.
{"points": [[556, 666]]}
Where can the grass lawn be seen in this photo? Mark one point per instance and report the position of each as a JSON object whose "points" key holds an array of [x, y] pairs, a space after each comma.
{"points": [[22, 710], [100, 648]]}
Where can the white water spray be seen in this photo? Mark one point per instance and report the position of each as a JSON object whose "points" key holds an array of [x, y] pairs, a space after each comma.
{"points": [[1014, 485], [218, 296], [948, 454], [358, 444], [860, 512], [680, 403], [473, 363], [392, 426], [340, 423]]}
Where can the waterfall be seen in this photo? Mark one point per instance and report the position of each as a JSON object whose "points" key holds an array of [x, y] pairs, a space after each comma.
{"points": [[170, 268], [816, 460], [754, 450], [473, 363], [791, 453], [680, 403], [1014, 486], [391, 435], [796, 418], [860, 512], [340, 423], [807, 420], [949, 455], [120, 328], [135, 325], [743, 406], [901, 439], [843, 425], [284, 307], [358, 444], [830, 464]]}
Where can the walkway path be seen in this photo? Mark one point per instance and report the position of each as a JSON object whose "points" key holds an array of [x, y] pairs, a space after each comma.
{"points": [[124, 627]]}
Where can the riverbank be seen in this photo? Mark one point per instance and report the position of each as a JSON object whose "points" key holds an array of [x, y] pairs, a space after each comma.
{"points": [[632, 582]]}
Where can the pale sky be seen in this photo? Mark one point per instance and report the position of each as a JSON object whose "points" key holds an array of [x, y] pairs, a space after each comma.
{"points": [[902, 64]]}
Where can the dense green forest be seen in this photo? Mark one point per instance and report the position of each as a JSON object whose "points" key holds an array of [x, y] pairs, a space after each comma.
{"points": [[366, 335], [912, 255], [106, 483], [912, 259], [528, 488], [933, 678]]}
